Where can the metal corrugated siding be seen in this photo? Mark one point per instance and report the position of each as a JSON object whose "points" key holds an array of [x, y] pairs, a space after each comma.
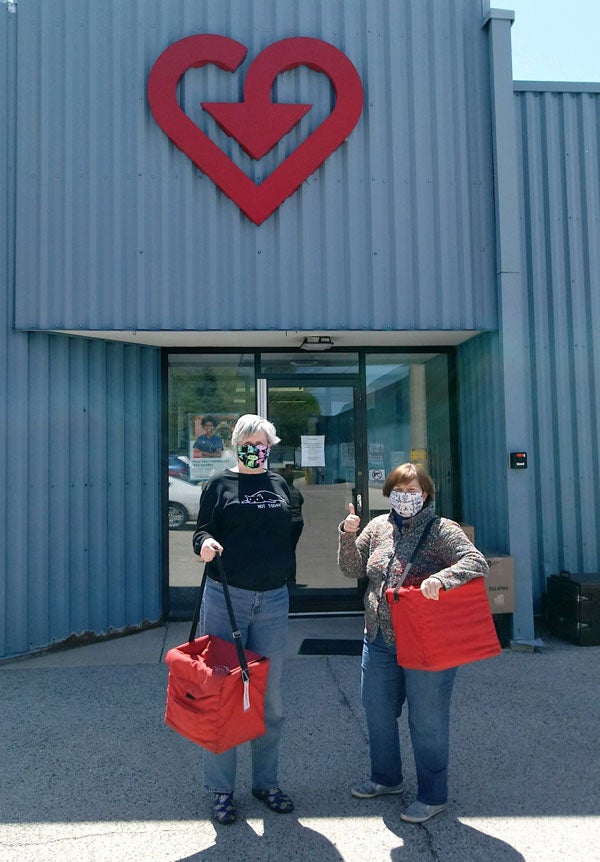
{"points": [[81, 531], [482, 446], [8, 77], [438, 434], [118, 230], [559, 135]]}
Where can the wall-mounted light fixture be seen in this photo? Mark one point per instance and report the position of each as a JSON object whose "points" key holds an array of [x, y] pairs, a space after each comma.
{"points": [[316, 342]]}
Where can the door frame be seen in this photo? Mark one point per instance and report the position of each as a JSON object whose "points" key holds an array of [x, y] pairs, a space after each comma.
{"points": [[342, 600], [178, 602]]}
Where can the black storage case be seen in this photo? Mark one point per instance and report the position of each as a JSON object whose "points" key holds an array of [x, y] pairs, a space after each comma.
{"points": [[573, 607]]}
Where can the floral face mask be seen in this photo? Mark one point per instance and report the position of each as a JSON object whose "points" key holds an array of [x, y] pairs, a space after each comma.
{"points": [[406, 503], [252, 456]]}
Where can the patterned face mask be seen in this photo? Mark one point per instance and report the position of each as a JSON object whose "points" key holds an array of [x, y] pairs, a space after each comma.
{"points": [[253, 457], [406, 503]]}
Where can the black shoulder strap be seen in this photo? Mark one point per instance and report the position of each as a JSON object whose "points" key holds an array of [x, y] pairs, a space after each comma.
{"points": [[196, 617], [414, 555], [237, 636]]}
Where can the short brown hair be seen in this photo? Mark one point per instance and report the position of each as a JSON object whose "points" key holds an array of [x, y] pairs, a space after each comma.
{"points": [[404, 474]]}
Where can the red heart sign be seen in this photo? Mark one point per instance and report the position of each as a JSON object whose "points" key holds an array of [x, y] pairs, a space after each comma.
{"points": [[256, 123]]}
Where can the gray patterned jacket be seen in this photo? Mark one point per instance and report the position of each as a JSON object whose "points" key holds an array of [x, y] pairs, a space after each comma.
{"points": [[382, 550]]}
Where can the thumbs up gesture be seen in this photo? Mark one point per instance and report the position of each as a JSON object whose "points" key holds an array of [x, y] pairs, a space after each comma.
{"points": [[352, 522]]}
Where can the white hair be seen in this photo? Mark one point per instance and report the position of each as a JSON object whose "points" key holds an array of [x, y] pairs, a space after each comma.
{"points": [[250, 424]]}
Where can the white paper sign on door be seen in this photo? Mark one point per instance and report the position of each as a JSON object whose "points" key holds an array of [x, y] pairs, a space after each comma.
{"points": [[313, 450]]}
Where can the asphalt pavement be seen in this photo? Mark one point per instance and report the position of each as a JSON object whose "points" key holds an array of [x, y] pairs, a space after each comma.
{"points": [[90, 771]]}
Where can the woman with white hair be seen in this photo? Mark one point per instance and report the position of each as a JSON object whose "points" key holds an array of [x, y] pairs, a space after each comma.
{"points": [[245, 517]]}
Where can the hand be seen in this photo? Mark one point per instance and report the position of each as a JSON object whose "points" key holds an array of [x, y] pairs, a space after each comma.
{"points": [[431, 588], [352, 522], [209, 550]]}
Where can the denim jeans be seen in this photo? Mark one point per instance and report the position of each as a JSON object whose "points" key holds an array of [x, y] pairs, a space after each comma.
{"points": [[262, 619], [384, 688]]}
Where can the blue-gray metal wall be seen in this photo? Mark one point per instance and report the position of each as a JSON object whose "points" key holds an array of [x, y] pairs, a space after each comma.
{"points": [[560, 181], [80, 524], [482, 445], [105, 225], [559, 141], [117, 230]]}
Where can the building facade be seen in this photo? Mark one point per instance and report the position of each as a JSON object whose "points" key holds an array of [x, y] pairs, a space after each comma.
{"points": [[388, 246]]}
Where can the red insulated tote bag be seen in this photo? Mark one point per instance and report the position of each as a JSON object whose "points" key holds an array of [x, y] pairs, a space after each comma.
{"points": [[455, 630], [216, 689]]}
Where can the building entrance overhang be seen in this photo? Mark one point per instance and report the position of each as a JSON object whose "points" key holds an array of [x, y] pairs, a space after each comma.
{"points": [[289, 339]]}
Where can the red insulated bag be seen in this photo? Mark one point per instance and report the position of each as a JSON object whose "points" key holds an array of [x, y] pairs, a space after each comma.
{"points": [[455, 630], [216, 690], [437, 635]]}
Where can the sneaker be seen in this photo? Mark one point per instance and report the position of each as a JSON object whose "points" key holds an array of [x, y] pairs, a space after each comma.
{"points": [[369, 790], [419, 812]]}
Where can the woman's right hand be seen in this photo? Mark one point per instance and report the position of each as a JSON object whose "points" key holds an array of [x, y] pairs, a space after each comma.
{"points": [[352, 522], [209, 550]]}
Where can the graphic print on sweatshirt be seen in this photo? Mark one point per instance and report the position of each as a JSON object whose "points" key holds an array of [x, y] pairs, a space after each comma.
{"points": [[265, 499]]}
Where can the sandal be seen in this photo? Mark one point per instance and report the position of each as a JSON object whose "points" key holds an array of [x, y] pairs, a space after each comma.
{"points": [[275, 799], [223, 808]]}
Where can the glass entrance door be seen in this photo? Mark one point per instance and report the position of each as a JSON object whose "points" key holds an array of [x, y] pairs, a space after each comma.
{"points": [[317, 457], [345, 419]]}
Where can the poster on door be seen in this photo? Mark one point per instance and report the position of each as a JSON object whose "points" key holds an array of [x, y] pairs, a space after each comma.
{"points": [[210, 443], [376, 462], [313, 450]]}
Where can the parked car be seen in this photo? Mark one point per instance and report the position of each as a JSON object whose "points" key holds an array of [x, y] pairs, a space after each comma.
{"points": [[179, 466], [184, 502]]}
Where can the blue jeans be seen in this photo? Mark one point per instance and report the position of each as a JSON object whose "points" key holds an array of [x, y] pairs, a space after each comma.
{"points": [[384, 688], [262, 619]]}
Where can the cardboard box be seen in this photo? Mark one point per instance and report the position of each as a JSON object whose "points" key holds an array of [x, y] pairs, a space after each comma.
{"points": [[469, 531], [500, 583]]}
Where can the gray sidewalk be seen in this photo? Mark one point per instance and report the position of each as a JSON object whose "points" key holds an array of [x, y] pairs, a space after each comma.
{"points": [[90, 772]]}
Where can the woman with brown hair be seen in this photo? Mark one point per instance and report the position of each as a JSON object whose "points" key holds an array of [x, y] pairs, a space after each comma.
{"points": [[445, 560]]}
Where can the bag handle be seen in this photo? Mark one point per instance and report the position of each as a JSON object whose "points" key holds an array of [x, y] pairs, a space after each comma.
{"points": [[413, 556], [237, 636], [196, 616]]}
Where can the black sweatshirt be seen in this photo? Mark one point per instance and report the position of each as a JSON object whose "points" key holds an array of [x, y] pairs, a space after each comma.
{"points": [[249, 514]]}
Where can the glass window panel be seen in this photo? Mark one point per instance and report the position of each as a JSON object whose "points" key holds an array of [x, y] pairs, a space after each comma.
{"points": [[408, 419], [292, 364], [316, 452], [206, 395]]}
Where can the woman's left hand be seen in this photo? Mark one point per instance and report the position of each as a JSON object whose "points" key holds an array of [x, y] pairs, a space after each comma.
{"points": [[431, 588]]}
